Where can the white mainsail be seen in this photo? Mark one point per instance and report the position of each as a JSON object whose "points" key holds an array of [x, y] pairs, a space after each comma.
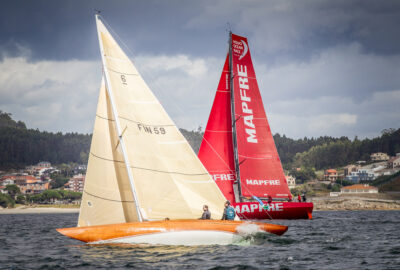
{"points": [[168, 179]]}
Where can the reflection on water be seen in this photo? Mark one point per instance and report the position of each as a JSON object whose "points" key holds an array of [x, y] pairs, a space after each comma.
{"points": [[333, 240]]}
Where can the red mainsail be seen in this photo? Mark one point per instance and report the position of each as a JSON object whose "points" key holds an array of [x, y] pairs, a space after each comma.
{"points": [[260, 168], [216, 149]]}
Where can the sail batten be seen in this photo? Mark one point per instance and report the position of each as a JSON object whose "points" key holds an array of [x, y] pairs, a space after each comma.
{"points": [[149, 169]]}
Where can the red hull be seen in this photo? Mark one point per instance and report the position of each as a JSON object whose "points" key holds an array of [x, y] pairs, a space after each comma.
{"points": [[277, 210]]}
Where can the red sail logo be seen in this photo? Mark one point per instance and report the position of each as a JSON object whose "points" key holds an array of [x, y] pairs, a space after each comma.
{"points": [[245, 50], [239, 48]]}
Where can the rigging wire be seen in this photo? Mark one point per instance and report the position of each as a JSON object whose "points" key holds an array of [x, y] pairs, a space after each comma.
{"points": [[156, 83], [151, 78]]}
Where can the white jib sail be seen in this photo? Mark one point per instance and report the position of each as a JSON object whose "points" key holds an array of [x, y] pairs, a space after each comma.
{"points": [[169, 179], [107, 198]]}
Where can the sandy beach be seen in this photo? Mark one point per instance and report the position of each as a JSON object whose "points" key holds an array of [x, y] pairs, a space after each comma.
{"points": [[38, 210]]}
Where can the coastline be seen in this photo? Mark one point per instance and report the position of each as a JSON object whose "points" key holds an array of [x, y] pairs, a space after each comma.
{"points": [[353, 203], [38, 210], [341, 203]]}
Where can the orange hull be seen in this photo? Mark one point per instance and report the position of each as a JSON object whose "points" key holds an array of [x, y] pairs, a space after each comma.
{"points": [[115, 231]]}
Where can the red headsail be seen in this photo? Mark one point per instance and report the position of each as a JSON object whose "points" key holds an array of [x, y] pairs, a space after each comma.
{"points": [[261, 172], [216, 150]]}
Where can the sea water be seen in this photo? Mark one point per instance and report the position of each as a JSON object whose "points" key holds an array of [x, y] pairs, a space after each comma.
{"points": [[332, 240]]}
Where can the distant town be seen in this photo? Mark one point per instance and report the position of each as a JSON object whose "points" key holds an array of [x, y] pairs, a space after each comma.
{"points": [[323, 167], [358, 178], [45, 183]]}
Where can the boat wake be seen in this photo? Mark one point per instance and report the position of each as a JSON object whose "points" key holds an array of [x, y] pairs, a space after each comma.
{"points": [[250, 234], [248, 229]]}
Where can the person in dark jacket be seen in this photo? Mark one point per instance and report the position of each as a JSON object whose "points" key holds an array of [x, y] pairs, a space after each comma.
{"points": [[229, 212], [304, 197], [269, 199], [206, 213]]}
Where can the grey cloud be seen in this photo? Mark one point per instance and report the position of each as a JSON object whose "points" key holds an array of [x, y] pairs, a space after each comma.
{"points": [[340, 71], [317, 62], [50, 95], [299, 28]]}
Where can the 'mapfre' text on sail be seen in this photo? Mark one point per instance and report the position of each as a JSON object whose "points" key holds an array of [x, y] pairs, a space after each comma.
{"points": [[246, 103]]}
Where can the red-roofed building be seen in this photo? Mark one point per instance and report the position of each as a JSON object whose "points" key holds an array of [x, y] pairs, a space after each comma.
{"points": [[34, 187], [8, 177], [23, 179], [29, 184], [331, 175], [359, 188], [76, 183]]}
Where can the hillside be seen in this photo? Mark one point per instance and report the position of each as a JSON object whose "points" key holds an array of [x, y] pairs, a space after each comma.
{"points": [[20, 146], [391, 184], [344, 151]]}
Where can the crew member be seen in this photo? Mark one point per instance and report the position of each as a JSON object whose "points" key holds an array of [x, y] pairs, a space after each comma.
{"points": [[304, 197], [299, 197], [269, 199], [229, 212], [206, 213]]}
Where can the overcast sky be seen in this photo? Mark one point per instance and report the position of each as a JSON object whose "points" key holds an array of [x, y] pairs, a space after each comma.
{"points": [[323, 67]]}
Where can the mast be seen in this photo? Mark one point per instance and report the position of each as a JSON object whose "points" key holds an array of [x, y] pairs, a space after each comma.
{"points": [[236, 186], [118, 127]]}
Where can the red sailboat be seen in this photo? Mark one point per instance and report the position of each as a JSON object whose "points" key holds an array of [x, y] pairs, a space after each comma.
{"points": [[238, 149]]}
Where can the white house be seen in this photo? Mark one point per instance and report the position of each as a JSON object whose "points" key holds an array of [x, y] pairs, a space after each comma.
{"points": [[360, 188]]}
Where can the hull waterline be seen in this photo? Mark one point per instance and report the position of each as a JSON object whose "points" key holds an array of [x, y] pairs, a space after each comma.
{"points": [[171, 232], [277, 210]]}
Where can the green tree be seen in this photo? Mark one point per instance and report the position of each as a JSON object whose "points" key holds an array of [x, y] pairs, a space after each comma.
{"points": [[6, 201], [20, 199], [35, 198], [70, 195], [50, 195], [12, 190], [335, 188], [83, 157], [58, 181], [304, 174]]}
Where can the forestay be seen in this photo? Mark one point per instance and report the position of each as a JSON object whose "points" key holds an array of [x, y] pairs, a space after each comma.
{"points": [[216, 149], [169, 179]]}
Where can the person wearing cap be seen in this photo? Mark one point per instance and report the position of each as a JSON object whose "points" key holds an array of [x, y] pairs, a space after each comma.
{"points": [[229, 212]]}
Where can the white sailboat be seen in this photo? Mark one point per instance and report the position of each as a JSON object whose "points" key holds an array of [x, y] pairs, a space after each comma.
{"points": [[144, 183]]}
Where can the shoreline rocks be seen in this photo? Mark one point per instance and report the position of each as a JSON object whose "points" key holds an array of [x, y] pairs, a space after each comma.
{"points": [[353, 203]]}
